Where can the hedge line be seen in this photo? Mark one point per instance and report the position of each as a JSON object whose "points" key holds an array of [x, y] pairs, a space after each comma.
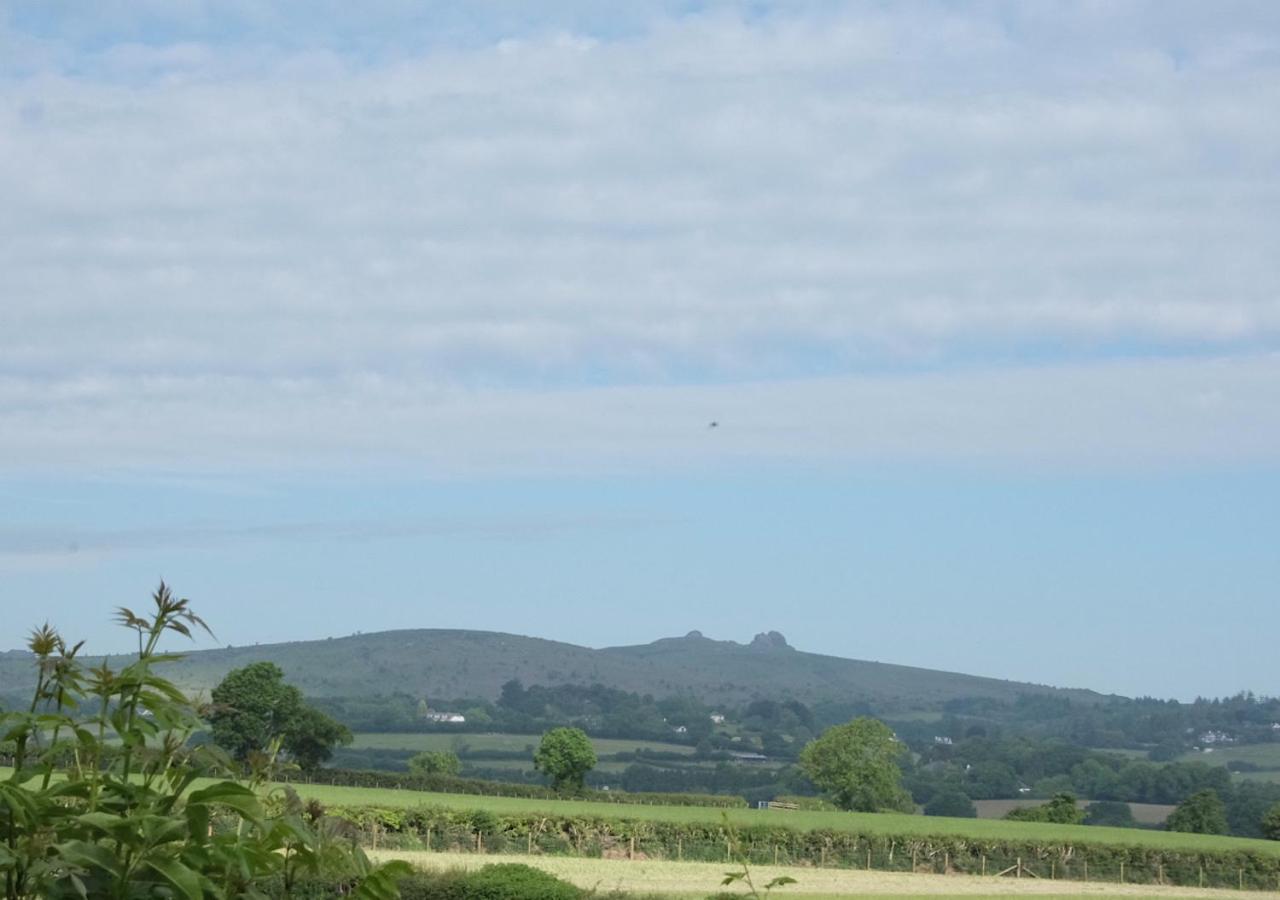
{"points": [[449, 784], [448, 829]]}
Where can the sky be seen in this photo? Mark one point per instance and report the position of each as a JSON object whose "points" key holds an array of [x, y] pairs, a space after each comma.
{"points": [[939, 333]]}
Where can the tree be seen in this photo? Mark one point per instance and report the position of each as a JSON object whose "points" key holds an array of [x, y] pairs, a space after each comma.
{"points": [[1115, 813], [567, 756], [435, 762], [1201, 813], [311, 736], [1061, 810], [253, 709], [1271, 823], [857, 763], [950, 802]]}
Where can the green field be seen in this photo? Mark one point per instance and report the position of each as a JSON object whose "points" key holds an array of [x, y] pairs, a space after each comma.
{"points": [[865, 823], [1265, 755], [668, 879], [478, 743]]}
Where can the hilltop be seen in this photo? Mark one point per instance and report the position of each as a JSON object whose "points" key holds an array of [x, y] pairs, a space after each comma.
{"points": [[443, 663]]}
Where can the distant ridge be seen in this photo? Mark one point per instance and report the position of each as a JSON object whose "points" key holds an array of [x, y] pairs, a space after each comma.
{"points": [[448, 663]]}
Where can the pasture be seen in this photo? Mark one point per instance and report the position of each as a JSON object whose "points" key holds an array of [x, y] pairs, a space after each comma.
{"points": [[505, 743], [697, 880], [1144, 813], [862, 823]]}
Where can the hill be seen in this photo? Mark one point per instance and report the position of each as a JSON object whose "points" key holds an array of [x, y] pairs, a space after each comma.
{"points": [[454, 663]]}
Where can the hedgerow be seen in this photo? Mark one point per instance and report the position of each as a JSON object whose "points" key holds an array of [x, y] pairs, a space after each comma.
{"points": [[449, 784], [452, 829]]}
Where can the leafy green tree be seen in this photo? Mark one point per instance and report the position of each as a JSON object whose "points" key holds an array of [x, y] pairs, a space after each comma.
{"points": [[1114, 813], [435, 762], [1271, 823], [566, 755], [1061, 810], [254, 709], [857, 763], [105, 798], [1201, 813], [950, 802], [311, 736]]}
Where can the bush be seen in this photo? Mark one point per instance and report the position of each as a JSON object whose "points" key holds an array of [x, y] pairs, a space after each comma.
{"points": [[951, 803], [515, 881], [1114, 813]]}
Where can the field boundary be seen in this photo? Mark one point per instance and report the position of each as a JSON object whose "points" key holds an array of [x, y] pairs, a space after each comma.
{"points": [[480, 831]]}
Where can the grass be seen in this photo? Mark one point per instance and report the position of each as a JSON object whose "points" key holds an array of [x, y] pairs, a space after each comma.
{"points": [[501, 742], [1266, 755], [865, 823], [669, 879]]}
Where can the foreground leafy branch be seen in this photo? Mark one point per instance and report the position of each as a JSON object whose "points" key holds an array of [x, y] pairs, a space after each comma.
{"points": [[108, 799]]}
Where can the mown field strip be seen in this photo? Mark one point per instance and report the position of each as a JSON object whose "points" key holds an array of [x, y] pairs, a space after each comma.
{"points": [[502, 742], [691, 879], [862, 823]]}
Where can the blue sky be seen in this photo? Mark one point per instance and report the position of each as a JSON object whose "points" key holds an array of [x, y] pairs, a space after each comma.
{"points": [[353, 319]]}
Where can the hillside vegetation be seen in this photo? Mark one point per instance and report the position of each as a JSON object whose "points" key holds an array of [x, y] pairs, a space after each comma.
{"points": [[451, 663]]}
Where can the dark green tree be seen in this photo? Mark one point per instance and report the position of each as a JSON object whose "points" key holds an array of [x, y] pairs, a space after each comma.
{"points": [[1271, 824], [1115, 813], [252, 707], [254, 711], [566, 755], [1061, 810], [950, 802], [1201, 813], [435, 762], [311, 736], [857, 763]]}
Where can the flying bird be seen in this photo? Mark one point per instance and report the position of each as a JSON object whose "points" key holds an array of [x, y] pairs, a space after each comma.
{"points": [[714, 425]]}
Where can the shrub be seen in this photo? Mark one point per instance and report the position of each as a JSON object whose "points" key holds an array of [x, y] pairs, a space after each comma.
{"points": [[515, 881], [951, 803]]}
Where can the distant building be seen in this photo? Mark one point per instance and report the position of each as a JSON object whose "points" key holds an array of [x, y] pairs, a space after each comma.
{"points": [[718, 719], [450, 718], [1216, 737], [680, 729], [748, 757], [941, 739]]}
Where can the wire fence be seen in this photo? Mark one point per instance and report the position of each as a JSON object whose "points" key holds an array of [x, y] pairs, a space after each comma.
{"points": [[855, 852]]}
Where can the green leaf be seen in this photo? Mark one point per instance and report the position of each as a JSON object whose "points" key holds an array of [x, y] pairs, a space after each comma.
{"points": [[89, 856], [179, 876], [229, 794]]}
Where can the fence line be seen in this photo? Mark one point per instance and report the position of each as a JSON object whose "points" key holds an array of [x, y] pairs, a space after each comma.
{"points": [[856, 852]]}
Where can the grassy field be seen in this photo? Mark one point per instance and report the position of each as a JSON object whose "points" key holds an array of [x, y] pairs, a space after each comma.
{"points": [[1144, 813], [689, 879], [1266, 755], [867, 823], [500, 742]]}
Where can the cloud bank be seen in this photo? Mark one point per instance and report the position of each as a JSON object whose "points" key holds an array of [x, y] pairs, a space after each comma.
{"points": [[493, 240]]}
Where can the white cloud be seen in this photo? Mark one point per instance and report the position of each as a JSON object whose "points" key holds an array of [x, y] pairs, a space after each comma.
{"points": [[1127, 414], [320, 235]]}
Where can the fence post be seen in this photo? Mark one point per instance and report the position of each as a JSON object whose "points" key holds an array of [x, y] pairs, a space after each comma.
{"points": [[1053, 869], [428, 837], [775, 854], [946, 862], [822, 859], [1086, 868], [631, 849], [1202, 875], [913, 860], [868, 857], [1241, 879], [984, 864], [1122, 871], [1018, 873], [680, 848]]}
